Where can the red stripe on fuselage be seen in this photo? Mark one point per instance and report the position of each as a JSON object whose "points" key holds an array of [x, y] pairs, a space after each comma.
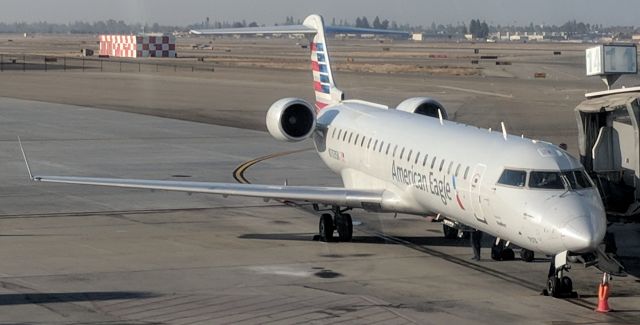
{"points": [[321, 104], [459, 201], [313, 46]]}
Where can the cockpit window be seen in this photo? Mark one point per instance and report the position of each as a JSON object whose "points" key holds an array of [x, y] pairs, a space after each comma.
{"points": [[577, 179], [546, 180], [513, 178]]}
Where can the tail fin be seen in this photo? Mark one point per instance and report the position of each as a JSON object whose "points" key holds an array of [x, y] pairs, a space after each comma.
{"points": [[323, 83], [325, 87]]}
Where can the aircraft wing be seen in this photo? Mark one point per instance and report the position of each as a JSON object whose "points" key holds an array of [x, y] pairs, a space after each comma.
{"points": [[287, 29], [296, 29], [366, 199]]}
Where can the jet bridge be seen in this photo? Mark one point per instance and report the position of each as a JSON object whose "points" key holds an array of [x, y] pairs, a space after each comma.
{"points": [[609, 145], [608, 131]]}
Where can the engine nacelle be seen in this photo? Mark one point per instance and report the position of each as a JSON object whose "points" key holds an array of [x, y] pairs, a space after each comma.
{"points": [[423, 106], [291, 119]]}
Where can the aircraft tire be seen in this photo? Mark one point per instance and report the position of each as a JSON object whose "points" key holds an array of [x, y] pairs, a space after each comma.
{"points": [[325, 228], [567, 285], [496, 251], [345, 227], [507, 254], [527, 255], [449, 232], [553, 287]]}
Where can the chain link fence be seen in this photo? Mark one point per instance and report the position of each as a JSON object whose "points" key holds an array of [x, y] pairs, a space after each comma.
{"points": [[13, 62]]}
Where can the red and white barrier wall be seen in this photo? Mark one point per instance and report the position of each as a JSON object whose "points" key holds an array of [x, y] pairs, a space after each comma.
{"points": [[136, 46]]}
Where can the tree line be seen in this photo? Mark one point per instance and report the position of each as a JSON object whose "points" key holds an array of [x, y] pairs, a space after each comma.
{"points": [[479, 29]]}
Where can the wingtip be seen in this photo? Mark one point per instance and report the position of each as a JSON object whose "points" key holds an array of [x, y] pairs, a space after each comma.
{"points": [[26, 161]]}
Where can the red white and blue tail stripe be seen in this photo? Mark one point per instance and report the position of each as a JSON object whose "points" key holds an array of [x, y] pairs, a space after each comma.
{"points": [[323, 83]]}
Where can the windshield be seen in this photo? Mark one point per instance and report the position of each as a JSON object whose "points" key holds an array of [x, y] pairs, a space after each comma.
{"points": [[546, 180], [577, 179], [513, 177]]}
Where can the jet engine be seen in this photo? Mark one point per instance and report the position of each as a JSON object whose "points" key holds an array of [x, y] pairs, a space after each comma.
{"points": [[291, 119], [423, 106]]}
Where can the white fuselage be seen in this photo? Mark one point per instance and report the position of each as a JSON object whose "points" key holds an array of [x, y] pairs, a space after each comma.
{"points": [[452, 169]]}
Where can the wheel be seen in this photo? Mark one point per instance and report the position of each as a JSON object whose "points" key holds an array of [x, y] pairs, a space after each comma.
{"points": [[345, 227], [326, 227], [527, 255], [496, 251], [449, 232], [553, 284], [567, 285], [507, 254]]}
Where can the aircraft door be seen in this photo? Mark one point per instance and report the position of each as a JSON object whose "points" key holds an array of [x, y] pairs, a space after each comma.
{"points": [[476, 192]]}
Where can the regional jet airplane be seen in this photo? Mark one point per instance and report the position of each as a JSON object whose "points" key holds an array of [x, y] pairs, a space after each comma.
{"points": [[411, 159]]}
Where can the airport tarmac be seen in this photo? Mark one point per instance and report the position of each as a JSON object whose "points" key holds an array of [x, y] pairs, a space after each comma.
{"points": [[87, 255]]}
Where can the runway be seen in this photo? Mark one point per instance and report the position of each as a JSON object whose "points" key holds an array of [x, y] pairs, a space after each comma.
{"points": [[74, 254]]}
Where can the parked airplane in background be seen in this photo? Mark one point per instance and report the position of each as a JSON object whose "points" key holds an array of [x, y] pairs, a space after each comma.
{"points": [[411, 159]]}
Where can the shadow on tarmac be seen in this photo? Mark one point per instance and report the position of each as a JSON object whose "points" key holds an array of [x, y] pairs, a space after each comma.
{"points": [[7, 299]]}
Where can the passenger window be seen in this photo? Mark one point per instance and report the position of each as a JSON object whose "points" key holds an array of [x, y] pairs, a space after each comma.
{"points": [[369, 143], [375, 145], [513, 178], [394, 150], [441, 165], [362, 142], [449, 168], [546, 180], [356, 140], [381, 145], [424, 162], [402, 153], [344, 136], [388, 147], [409, 155], [417, 158], [339, 133], [466, 172], [433, 162], [333, 133], [350, 135], [458, 170]]}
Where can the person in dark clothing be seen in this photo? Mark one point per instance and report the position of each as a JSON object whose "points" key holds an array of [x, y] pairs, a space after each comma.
{"points": [[563, 146], [476, 243]]}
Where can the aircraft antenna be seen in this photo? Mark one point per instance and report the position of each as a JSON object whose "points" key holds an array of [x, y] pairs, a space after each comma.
{"points": [[440, 117], [504, 131]]}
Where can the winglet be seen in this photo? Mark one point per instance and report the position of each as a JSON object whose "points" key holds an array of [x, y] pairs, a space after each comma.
{"points": [[26, 162]]}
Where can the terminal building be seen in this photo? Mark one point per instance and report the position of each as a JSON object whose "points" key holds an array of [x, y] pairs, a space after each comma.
{"points": [[138, 46]]}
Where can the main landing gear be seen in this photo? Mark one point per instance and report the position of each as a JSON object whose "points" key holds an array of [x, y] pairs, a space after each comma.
{"points": [[340, 221], [501, 252], [558, 284]]}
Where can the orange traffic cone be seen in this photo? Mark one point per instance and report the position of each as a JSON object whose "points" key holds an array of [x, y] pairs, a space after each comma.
{"points": [[603, 296]]}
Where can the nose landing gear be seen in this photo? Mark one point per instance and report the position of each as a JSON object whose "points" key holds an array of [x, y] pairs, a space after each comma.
{"points": [[340, 221], [558, 284]]}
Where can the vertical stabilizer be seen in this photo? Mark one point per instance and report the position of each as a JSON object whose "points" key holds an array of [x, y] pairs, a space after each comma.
{"points": [[323, 83]]}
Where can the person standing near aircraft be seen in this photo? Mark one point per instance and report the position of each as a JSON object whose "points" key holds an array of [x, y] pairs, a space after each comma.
{"points": [[476, 244]]}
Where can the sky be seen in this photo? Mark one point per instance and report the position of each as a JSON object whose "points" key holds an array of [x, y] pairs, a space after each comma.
{"points": [[415, 12]]}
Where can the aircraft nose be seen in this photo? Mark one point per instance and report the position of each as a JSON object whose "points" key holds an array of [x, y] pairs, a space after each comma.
{"points": [[583, 234]]}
